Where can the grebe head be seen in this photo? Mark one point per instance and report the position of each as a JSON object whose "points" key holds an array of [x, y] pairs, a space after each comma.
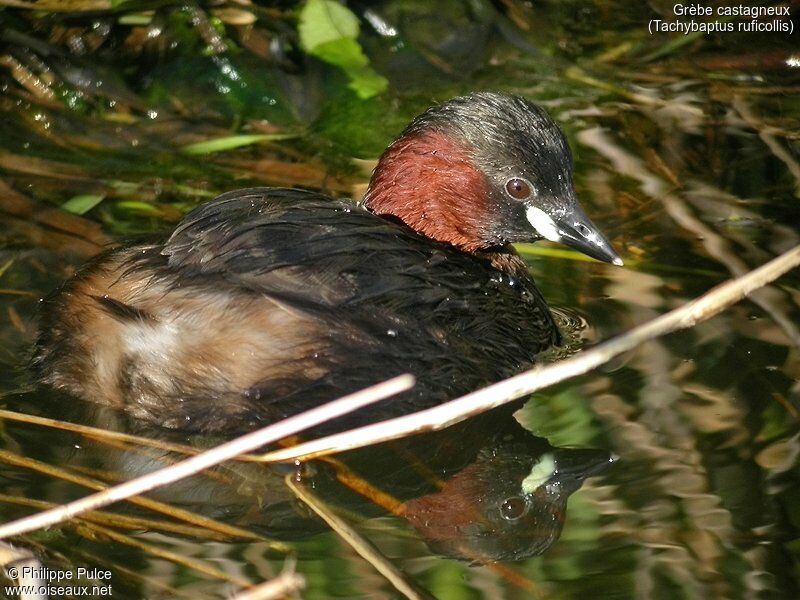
{"points": [[508, 505], [485, 170]]}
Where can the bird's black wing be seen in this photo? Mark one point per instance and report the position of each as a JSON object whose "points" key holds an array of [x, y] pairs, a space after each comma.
{"points": [[392, 300], [309, 248]]}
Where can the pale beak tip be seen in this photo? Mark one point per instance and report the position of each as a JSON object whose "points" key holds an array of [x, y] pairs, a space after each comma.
{"points": [[617, 261]]}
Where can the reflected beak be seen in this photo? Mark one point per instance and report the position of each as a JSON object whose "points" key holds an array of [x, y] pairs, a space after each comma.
{"points": [[574, 466], [581, 463], [567, 467], [576, 230]]}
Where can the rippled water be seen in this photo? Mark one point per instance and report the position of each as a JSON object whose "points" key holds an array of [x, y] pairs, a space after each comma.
{"points": [[690, 166]]}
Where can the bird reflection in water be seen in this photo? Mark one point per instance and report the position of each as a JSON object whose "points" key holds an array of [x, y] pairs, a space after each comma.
{"points": [[508, 505], [481, 499], [484, 491]]}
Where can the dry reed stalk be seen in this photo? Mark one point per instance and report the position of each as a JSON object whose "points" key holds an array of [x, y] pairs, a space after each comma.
{"points": [[210, 458], [445, 415], [359, 544], [287, 583]]}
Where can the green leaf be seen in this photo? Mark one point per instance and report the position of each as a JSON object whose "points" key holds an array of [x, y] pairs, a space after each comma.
{"points": [[135, 19], [139, 207], [80, 205], [367, 83], [329, 31], [563, 418], [343, 52], [323, 21], [234, 141], [346, 54]]}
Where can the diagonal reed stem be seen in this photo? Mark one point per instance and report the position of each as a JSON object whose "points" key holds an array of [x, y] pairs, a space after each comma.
{"points": [[210, 458], [445, 415], [364, 548]]}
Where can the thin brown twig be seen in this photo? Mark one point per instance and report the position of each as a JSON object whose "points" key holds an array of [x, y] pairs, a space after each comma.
{"points": [[154, 505], [767, 135], [196, 565], [95, 432], [210, 458], [286, 583], [104, 435], [59, 5], [363, 547], [125, 522]]}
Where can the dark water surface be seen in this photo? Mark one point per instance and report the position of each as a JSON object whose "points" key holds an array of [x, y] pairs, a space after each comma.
{"points": [[687, 157]]}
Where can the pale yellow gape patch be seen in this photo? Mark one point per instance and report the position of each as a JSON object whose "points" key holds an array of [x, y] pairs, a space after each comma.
{"points": [[543, 224], [540, 474]]}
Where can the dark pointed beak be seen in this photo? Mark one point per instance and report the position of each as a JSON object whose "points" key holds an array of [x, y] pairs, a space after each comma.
{"points": [[574, 229]]}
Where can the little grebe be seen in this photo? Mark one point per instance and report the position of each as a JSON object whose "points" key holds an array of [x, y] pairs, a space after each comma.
{"points": [[264, 302]]}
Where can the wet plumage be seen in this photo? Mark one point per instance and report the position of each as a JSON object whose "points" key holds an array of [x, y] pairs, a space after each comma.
{"points": [[265, 302]]}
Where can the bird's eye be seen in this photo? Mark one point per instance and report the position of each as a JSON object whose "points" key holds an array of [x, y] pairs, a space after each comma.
{"points": [[518, 188], [513, 508]]}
